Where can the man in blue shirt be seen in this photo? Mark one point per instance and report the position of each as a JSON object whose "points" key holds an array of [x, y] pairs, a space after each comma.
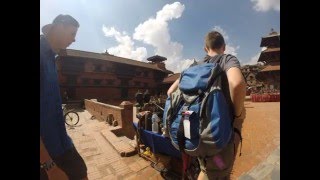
{"points": [[59, 158]]}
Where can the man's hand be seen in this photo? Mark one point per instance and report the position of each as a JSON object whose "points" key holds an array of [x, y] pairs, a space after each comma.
{"points": [[55, 173]]}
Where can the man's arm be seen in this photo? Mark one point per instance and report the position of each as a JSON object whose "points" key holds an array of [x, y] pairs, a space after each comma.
{"points": [[173, 87], [54, 173], [44, 155], [237, 87]]}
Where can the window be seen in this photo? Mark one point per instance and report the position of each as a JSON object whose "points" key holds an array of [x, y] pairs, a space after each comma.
{"points": [[137, 83], [85, 81], [138, 73], [72, 65], [98, 68], [110, 70], [97, 81], [124, 93], [124, 82], [110, 81], [124, 70], [158, 76], [146, 73], [72, 80]]}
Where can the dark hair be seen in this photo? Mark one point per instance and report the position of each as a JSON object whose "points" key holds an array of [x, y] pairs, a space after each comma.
{"points": [[66, 20], [214, 40]]}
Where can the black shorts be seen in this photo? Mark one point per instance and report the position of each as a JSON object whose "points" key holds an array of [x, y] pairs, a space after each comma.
{"points": [[71, 163]]}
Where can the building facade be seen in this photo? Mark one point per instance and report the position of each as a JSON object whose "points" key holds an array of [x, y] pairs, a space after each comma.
{"points": [[249, 73], [270, 75], [107, 78]]}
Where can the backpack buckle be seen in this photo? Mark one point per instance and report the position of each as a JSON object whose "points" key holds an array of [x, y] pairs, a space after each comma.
{"points": [[184, 109]]}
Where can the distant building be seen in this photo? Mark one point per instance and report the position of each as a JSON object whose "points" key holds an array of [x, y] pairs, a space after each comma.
{"points": [[249, 73], [168, 81], [107, 78], [270, 75]]}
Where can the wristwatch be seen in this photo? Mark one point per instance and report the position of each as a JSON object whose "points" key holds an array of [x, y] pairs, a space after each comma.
{"points": [[48, 165]]}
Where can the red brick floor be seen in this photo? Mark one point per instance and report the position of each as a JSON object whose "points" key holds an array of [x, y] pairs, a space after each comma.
{"points": [[102, 160], [261, 135], [260, 131]]}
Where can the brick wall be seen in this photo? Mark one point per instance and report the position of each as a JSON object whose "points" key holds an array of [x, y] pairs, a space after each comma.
{"points": [[122, 113]]}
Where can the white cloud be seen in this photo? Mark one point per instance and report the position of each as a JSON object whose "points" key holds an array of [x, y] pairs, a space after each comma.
{"points": [[230, 49], [179, 65], [254, 59], [170, 11], [155, 32], [126, 46], [221, 31], [266, 5]]}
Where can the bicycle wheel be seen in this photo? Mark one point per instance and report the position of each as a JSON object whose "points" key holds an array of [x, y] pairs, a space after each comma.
{"points": [[71, 118]]}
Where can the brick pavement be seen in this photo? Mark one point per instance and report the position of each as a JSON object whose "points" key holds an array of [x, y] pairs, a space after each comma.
{"points": [[267, 170], [260, 130], [261, 136], [102, 160]]}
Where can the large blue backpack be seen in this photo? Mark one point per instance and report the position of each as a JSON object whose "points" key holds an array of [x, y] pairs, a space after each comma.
{"points": [[201, 101]]}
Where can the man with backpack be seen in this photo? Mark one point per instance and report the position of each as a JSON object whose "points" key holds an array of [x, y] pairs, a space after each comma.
{"points": [[219, 165]]}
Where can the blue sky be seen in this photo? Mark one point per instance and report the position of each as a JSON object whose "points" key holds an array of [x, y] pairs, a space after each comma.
{"points": [[138, 29]]}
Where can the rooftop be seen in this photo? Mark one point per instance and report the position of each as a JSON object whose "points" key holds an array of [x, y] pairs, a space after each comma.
{"points": [[111, 58], [156, 58], [273, 40], [270, 54], [171, 78], [271, 68]]}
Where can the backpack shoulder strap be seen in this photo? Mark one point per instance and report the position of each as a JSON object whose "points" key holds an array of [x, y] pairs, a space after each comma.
{"points": [[216, 59], [224, 80]]}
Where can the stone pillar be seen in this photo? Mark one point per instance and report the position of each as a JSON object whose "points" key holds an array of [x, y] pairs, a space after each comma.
{"points": [[127, 119]]}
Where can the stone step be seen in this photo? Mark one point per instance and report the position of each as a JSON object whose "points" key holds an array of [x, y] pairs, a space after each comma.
{"points": [[120, 144]]}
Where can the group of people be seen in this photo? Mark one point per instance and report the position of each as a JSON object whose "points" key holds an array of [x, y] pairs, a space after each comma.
{"points": [[59, 158], [142, 98]]}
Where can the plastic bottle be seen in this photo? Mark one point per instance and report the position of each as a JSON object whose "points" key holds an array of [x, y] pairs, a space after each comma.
{"points": [[155, 120]]}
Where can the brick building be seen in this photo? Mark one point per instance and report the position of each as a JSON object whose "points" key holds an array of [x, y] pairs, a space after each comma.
{"points": [[270, 75], [168, 81], [107, 78]]}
